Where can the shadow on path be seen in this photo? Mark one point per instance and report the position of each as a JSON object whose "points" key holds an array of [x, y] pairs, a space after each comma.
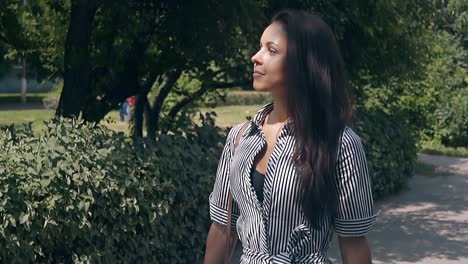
{"points": [[427, 224]]}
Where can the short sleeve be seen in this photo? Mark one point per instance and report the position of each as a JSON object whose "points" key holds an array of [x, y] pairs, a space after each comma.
{"points": [[219, 196], [355, 215]]}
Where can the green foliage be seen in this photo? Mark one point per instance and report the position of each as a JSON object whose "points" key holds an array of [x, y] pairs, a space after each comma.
{"points": [[382, 39], [416, 99], [434, 147], [83, 193], [448, 74], [9, 26], [452, 119], [452, 17], [35, 31], [421, 99], [390, 145]]}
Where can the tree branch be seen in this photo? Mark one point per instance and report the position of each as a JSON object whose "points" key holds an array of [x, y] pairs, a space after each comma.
{"points": [[197, 94]]}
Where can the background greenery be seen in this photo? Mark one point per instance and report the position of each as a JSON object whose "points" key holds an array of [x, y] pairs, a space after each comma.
{"points": [[77, 191]]}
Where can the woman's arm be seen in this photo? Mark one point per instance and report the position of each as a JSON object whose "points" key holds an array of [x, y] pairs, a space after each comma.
{"points": [[355, 250], [216, 243]]}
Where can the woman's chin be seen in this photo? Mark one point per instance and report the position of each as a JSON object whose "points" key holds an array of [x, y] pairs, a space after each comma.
{"points": [[260, 88]]}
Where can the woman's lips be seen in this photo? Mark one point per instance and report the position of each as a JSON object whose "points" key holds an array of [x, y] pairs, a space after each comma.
{"points": [[257, 74]]}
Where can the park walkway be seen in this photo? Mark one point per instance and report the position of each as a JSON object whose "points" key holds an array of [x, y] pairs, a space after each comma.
{"points": [[426, 224]]}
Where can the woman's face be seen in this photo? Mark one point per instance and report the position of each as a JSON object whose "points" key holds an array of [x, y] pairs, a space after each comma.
{"points": [[270, 61]]}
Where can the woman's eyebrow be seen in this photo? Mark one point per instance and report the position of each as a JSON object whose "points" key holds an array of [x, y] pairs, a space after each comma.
{"points": [[269, 43]]}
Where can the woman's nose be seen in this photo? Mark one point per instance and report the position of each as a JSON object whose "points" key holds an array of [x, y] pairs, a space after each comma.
{"points": [[255, 58]]}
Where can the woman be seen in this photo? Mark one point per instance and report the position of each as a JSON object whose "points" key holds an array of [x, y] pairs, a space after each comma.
{"points": [[299, 172]]}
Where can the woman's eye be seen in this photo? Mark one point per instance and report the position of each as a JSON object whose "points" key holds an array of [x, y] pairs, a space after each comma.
{"points": [[272, 51]]}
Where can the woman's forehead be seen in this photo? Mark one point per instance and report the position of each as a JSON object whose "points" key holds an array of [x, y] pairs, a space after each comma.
{"points": [[274, 33]]}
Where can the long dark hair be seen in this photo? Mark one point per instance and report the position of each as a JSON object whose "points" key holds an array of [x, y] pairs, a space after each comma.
{"points": [[319, 105]]}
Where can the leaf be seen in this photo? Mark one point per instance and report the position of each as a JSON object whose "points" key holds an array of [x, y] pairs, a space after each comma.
{"points": [[12, 221], [38, 250], [86, 206], [23, 218], [45, 182]]}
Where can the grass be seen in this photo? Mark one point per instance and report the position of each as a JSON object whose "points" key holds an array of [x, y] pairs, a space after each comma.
{"points": [[436, 148], [226, 116], [37, 117], [233, 114], [112, 121], [25, 116]]}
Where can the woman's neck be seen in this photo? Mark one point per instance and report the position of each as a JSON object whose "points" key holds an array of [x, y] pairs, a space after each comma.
{"points": [[279, 114]]}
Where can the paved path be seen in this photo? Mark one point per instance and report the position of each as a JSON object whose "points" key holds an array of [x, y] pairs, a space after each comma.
{"points": [[444, 163], [426, 224]]}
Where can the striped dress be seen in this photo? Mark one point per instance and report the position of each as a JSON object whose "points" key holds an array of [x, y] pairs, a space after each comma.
{"points": [[277, 230]]}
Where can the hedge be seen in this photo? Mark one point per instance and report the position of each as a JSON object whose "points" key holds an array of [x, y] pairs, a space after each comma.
{"points": [[390, 146], [78, 193]]}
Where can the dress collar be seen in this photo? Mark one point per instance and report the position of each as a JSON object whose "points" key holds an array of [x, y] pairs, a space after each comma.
{"points": [[261, 114]]}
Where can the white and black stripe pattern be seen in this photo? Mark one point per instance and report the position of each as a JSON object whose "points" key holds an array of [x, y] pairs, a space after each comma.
{"points": [[277, 231]]}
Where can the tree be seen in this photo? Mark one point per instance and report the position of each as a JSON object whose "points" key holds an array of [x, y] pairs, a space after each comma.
{"points": [[159, 49], [36, 32], [143, 46], [447, 74], [8, 23], [452, 20]]}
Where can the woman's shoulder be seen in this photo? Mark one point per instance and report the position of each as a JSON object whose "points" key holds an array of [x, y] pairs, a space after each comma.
{"points": [[349, 139], [349, 134]]}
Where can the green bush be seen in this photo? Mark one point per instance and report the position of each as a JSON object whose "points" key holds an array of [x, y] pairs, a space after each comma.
{"points": [[390, 146], [78, 193], [452, 119]]}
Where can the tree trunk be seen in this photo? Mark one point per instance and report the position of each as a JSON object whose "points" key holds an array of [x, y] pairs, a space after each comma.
{"points": [[154, 113], [77, 57], [122, 83], [142, 106], [24, 81]]}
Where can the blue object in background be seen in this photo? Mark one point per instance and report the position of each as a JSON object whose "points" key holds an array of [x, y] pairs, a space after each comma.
{"points": [[123, 110]]}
